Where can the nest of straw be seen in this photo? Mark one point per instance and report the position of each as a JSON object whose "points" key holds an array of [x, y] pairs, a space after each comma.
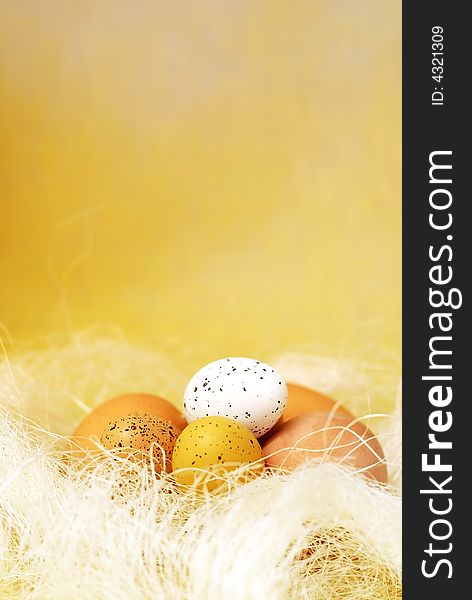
{"points": [[111, 529]]}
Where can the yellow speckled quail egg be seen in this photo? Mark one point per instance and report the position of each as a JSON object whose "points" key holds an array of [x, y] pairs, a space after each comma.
{"points": [[137, 433], [211, 446]]}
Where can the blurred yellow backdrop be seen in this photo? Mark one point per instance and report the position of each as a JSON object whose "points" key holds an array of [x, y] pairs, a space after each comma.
{"points": [[216, 177]]}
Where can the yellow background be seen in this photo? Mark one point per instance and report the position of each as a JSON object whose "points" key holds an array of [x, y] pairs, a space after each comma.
{"points": [[213, 177]]}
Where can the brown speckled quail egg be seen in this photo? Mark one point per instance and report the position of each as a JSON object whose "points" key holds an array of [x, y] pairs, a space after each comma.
{"points": [[214, 445], [137, 433], [243, 389]]}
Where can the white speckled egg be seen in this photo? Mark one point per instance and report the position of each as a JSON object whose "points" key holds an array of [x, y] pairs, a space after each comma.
{"points": [[243, 389]]}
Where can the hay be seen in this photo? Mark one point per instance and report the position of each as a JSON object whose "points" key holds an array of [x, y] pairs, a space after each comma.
{"points": [[113, 531]]}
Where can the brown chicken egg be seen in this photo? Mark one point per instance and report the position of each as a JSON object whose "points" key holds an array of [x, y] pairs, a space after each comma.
{"points": [[320, 437], [136, 434], [91, 427], [302, 400]]}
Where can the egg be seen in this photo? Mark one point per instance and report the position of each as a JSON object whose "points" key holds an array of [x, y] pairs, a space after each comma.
{"points": [[320, 437], [216, 445], [137, 434], [302, 400], [246, 390], [92, 426]]}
